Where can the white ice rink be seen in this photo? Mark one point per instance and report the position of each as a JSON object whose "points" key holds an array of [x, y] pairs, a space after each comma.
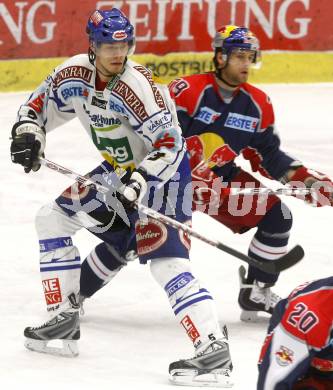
{"points": [[129, 335]]}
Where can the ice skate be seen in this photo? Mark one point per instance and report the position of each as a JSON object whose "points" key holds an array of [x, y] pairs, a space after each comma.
{"points": [[63, 329], [210, 368], [254, 298]]}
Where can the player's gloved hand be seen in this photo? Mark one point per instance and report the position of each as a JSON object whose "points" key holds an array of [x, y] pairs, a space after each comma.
{"points": [[320, 184], [28, 144], [255, 160], [133, 190], [207, 186]]}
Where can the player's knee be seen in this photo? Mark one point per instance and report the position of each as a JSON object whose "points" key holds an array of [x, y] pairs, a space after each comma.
{"points": [[51, 221], [44, 218], [104, 260], [108, 256], [165, 269], [54, 233], [175, 276], [277, 220]]}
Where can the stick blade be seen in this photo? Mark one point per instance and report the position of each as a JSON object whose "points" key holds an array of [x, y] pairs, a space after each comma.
{"points": [[291, 258]]}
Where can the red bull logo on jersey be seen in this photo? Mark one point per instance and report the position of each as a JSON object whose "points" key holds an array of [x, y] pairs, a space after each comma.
{"points": [[241, 122], [209, 147], [207, 115], [284, 356]]}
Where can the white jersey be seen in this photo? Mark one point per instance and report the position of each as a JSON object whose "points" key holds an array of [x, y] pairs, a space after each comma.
{"points": [[133, 122]]}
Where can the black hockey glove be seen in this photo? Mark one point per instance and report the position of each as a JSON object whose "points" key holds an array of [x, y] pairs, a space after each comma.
{"points": [[134, 189], [28, 144]]}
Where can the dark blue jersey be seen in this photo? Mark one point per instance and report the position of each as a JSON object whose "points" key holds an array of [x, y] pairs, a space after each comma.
{"points": [[300, 338], [218, 131]]}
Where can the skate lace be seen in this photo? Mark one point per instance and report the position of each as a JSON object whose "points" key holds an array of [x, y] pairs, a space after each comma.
{"points": [[270, 298], [52, 321], [214, 346], [43, 325]]}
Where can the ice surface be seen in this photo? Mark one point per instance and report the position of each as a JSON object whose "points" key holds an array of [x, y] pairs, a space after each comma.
{"points": [[129, 335]]}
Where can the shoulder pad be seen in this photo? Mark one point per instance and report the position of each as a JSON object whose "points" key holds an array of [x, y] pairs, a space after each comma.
{"points": [[263, 101], [187, 91], [309, 317]]}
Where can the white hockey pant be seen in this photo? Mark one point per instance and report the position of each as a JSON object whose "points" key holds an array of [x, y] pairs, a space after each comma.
{"points": [[192, 304], [59, 258]]}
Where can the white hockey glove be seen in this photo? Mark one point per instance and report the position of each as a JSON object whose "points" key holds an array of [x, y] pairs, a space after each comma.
{"points": [[134, 189], [28, 144]]}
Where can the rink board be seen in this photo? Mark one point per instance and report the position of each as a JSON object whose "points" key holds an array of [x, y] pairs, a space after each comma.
{"points": [[277, 67]]}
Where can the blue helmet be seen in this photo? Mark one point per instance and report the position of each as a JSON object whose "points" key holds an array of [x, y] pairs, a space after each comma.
{"points": [[230, 37], [110, 27]]}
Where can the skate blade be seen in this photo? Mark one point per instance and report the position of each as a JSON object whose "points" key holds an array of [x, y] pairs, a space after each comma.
{"points": [[69, 347], [252, 316], [216, 378]]}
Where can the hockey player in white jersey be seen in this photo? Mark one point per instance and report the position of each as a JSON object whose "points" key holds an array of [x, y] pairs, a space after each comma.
{"points": [[132, 122]]}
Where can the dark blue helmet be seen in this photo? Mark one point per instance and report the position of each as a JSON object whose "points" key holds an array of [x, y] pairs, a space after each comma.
{"points": [[230, 37], [110, 27]]}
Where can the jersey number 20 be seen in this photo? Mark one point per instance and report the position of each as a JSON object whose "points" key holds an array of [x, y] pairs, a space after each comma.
{"points": [[302, 318]]}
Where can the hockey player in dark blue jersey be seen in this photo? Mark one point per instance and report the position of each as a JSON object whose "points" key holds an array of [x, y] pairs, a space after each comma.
{"points": [[222, 116], [298, 351]]}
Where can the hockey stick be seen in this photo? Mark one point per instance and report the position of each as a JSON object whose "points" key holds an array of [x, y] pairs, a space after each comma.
{"points": [[288, 191], [288, 260], [272, 267], [227, 191]]}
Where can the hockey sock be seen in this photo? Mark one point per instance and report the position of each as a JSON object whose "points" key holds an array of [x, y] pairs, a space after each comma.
{"points": [[59, 258], [270, 241], [192, 304], [100, 266]]}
